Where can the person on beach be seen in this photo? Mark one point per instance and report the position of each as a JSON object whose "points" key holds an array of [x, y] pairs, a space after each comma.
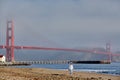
{"points": [[70, 68]]}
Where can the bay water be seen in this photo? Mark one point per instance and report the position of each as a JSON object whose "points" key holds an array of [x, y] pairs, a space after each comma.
{"points": [[113, 68]]}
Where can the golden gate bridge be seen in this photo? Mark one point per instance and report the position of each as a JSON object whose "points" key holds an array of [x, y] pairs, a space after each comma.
{"points": [[10, 46]]}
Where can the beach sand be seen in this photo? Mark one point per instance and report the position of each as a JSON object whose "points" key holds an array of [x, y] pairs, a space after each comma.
{"points": [[7, 73]]}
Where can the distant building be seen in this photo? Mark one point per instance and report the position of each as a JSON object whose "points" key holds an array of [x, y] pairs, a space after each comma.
{"points": [[2, 58]]}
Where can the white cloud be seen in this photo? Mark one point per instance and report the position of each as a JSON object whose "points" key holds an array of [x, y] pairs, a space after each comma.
{"points": [[63, 20]]}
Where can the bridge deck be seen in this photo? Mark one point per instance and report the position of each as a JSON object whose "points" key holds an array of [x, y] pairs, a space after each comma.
{"points": [[64, 62], [27, 63]]}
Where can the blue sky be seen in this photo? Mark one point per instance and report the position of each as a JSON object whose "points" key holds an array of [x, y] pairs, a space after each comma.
{"points": [[62, 23]]}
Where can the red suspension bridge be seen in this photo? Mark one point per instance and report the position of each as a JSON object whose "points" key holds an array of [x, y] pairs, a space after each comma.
{"points": [[10, 46]]}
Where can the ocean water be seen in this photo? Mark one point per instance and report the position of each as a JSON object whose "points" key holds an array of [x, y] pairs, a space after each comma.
{"points": [[113, 68]]}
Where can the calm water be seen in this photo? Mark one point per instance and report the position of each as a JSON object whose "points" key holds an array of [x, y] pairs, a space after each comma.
{"points": [[113, 68]]}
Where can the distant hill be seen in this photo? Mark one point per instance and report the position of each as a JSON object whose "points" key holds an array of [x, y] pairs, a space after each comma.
{"points": [[30, 55], [116, 58], [57, 55]]}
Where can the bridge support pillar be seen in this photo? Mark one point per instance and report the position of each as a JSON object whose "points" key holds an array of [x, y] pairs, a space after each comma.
{"points": [[10, 41], [108, 50]]}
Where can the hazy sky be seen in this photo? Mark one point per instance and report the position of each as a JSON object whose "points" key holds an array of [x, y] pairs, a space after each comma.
{"points": [[62, 23]]}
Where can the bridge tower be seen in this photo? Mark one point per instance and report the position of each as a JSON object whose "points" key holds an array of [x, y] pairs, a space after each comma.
{"points": [[10, 41], [108, 50]]}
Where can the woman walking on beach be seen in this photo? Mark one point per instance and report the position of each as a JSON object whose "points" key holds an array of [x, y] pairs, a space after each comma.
{"points": [[70, 69]]}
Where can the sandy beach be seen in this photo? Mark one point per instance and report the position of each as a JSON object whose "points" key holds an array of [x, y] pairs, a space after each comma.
{"points": [[8, 73]]}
